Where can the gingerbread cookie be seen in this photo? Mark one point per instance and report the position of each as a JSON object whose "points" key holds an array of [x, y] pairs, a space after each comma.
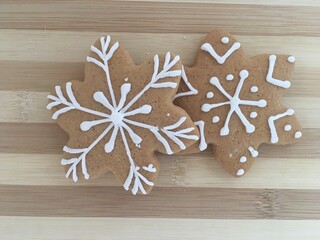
{"points": [[235, 101], [120, 115]]}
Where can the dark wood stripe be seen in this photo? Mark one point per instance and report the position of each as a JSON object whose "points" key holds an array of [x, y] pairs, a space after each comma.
{"points": [[49, 138], [37, 76], [159, 17], [43, 76], [211, 203]]}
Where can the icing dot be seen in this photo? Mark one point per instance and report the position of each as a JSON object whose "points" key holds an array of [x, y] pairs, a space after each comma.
{"points": [[210, 94], [240, 172], [126, 79], [287, 127], [253, 152], [291, 59], [225, 40], [298, 134], [215, 119], [243, 159], [253, 114], [168, 114], [229, 77], [254, 89]]}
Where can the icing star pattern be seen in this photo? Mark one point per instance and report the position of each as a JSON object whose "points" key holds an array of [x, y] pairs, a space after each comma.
{"points": [[119, 123], [237, 105]]}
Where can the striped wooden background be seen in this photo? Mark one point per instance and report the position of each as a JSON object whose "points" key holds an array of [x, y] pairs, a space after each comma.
{"points": [[44, 43]]}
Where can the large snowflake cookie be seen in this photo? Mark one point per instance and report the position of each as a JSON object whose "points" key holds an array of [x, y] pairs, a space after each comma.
{"points": [[120, 115], [235, 101]]}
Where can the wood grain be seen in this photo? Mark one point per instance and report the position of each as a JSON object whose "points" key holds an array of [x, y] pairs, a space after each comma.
{"points": [[44, 43], [146, 17], [203, 203], [49, 228]]}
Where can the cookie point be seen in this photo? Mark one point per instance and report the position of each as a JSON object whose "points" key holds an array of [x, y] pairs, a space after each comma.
{"points": [[229, 77], [287, 127], [205, 107], [224, 131], [287, 84], [253, 114], [250, 128], [214, 81], [243, 159], [237, 45], [240, 172], [298, 134], [244, 73], [290, 111], [272, 57], [225, 40], [291, 59], [262, 103], [215, 119]]}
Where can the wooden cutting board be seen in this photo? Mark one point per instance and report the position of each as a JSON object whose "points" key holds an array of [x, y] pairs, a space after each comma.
{"points": [[44, 43]]}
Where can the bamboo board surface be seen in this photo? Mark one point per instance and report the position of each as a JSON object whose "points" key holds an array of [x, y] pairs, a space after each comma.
{"points": [[44, 43]]}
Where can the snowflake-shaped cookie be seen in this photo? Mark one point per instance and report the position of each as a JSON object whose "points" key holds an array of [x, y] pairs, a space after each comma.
{"points": [[235, 101], [120, 115]]}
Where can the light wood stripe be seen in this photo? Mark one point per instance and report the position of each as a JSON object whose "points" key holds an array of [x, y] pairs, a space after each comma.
{"points": [[198, 170], [48, 47], [205, 203], [44, 228], [314, 3], [43, 76], [25, 106], [49, 138], [160, 17]]}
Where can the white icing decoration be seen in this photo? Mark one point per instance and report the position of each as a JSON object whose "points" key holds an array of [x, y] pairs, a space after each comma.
{"points": [[240, 172], [150, 168], [203, 144], [168, 114], [254, 89], [253, 152], [273, 130], [253, 114], [243, 159], [291, 59], [126, 79], [229, 77], [220, 59], [287, 127], [210, 94], [234, 102], [225, 40], [118, 119], [274, 81], [192, 90], [298, 134], [215, 119]]}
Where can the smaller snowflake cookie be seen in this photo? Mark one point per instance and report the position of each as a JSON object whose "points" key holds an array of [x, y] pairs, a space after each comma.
{"points": [[235, 101], [120, 115]]}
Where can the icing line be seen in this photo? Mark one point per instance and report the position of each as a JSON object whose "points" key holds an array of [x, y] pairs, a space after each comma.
{"points": [[192, 90], [274, 81], [234, 102], [220, 59], [273, 131], [203, 144]]}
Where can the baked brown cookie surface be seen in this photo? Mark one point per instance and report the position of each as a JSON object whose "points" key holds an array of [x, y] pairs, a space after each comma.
{"points": [[235, 101], [120, 115]]}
